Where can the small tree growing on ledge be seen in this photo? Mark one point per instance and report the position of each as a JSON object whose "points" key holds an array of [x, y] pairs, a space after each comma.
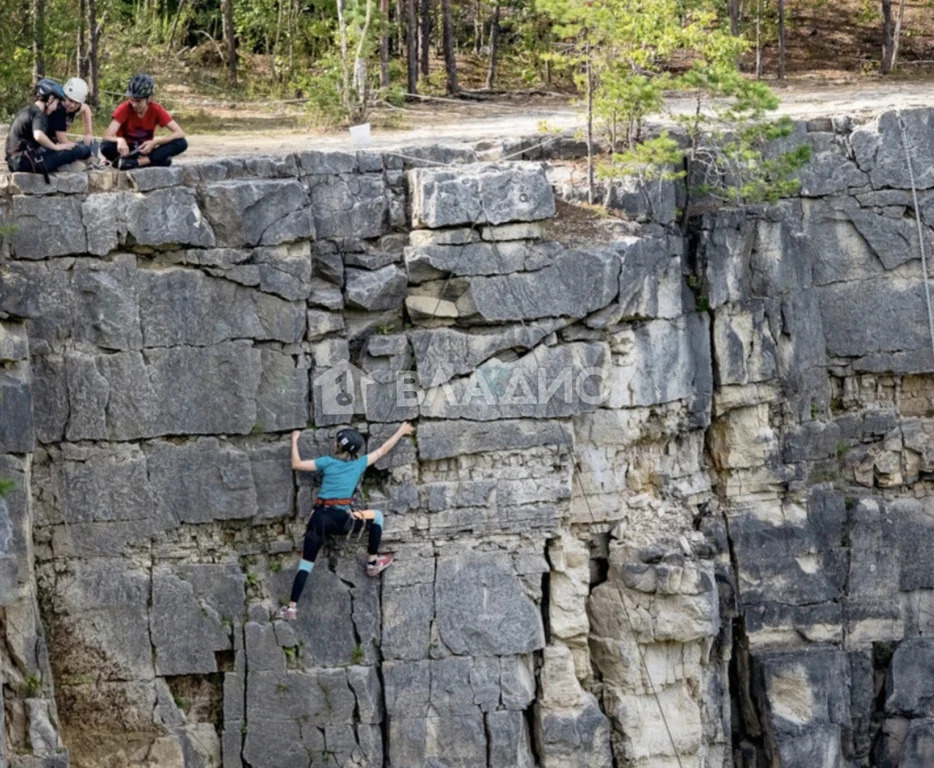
{"points": [[635, 50]]}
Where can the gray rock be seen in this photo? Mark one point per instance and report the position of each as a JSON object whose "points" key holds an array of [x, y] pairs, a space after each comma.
{"points": [[104, 217], [880, 151], [317, 162], [258, 212], [431, 262], [14, 343], [146, 179], [200, 481], [285, 270], [549, 382], [321, 323], [643, 199], [828, 173], [408, 613], [455, 742], [576, 284], [725, 243], [205, 391], [106, 296], [371, 259], [743, 348], [662, 361], [104, 619], [865, 318], [793, 564], [909, 691], [445, 439], [33, 238], [323, 294], [482, 609], [918, 749], [282, 396], [441, 354], [350, 206], [185, 624], [383, 289], [480, 194], [328, 262], [272, 478], [17, 429], [509, 745], [893, 240], [58, 184], [167, 217]]}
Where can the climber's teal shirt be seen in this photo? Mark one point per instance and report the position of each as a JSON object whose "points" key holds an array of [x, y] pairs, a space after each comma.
{"points": [[340, 477]]}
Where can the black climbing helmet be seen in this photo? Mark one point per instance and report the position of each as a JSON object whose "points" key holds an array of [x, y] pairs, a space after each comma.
{"points": [[141, 87], [48, 87], [350, 440]]}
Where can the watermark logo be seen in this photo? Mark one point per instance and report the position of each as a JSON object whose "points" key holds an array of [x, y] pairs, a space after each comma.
{"points": [[341, 390]]}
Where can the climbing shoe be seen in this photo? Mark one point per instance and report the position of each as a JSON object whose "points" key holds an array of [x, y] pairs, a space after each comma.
{"points": [[287, 613], [381, 564]]}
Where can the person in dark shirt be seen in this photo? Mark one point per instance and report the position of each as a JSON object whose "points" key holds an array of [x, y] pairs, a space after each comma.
{"points": [[130, 140], [29, 146]]}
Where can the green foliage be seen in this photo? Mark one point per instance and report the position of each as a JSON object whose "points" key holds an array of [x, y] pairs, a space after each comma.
{"points": [[32, 685], [7, 486], [357, 655], [639, 49]]}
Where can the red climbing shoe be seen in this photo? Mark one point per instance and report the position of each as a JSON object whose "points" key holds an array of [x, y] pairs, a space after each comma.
{"points": [[381, 564], [287, 613]]}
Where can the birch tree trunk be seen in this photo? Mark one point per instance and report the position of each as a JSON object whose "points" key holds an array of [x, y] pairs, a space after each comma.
{"points": [[887, 43]]}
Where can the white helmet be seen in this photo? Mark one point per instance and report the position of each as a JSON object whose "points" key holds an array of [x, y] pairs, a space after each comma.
{"points": [[77, 90]]}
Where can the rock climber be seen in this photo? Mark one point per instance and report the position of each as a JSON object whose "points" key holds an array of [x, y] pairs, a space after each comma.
{"points": [[29, 144], [74, 104], [333, 512], [130, 140]]}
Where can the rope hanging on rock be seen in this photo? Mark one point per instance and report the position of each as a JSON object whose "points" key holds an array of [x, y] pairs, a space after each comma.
{"points": [[914, 197]]}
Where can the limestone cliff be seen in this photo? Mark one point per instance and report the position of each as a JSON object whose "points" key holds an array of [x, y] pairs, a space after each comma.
{"points": [[668, 502]]}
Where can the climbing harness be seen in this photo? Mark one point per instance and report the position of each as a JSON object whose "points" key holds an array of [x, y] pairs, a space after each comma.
{"points": [[914, 197]]}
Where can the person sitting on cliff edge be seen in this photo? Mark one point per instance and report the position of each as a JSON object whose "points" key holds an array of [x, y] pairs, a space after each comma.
{"points": [[130, 140], [333, 511], [29, 146]]}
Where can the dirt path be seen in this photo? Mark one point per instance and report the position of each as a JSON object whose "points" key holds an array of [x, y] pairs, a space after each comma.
{"points": [[454, 123]]}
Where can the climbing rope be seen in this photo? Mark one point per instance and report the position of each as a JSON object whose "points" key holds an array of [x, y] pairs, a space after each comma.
{"points": [[914, 197]]}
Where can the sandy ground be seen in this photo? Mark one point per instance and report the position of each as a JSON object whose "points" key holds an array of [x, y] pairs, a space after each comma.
{"points": [[452, 123]]}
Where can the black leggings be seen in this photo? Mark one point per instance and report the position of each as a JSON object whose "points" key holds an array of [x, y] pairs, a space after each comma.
{"points": [[157, 157], [332, 520], [51, 158]]}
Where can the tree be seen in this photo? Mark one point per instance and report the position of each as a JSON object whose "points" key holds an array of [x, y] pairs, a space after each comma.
{"points": [[411, 44], [425, 36], [494, 46], [38, 39], [781, 39], [384, 44], [450, 62], [227, 14], [625, 48], [888, 41]]}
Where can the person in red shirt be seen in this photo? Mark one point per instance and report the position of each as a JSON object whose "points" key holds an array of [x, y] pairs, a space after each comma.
{"points": [[130, 140]]}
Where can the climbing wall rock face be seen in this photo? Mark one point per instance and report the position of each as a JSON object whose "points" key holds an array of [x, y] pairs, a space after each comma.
{"points": [[667, 503]]}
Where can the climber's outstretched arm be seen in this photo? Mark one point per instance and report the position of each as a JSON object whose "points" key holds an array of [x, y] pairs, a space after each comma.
{"points": [[307, 465], [404, 429]]}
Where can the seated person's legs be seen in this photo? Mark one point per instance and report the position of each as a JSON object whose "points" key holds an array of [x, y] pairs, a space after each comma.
{"points": [[56, 159], [109, 150], [160, 155]]}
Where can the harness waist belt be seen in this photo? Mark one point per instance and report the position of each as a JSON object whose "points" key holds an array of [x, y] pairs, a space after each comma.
{"points": [[335, 502]]}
